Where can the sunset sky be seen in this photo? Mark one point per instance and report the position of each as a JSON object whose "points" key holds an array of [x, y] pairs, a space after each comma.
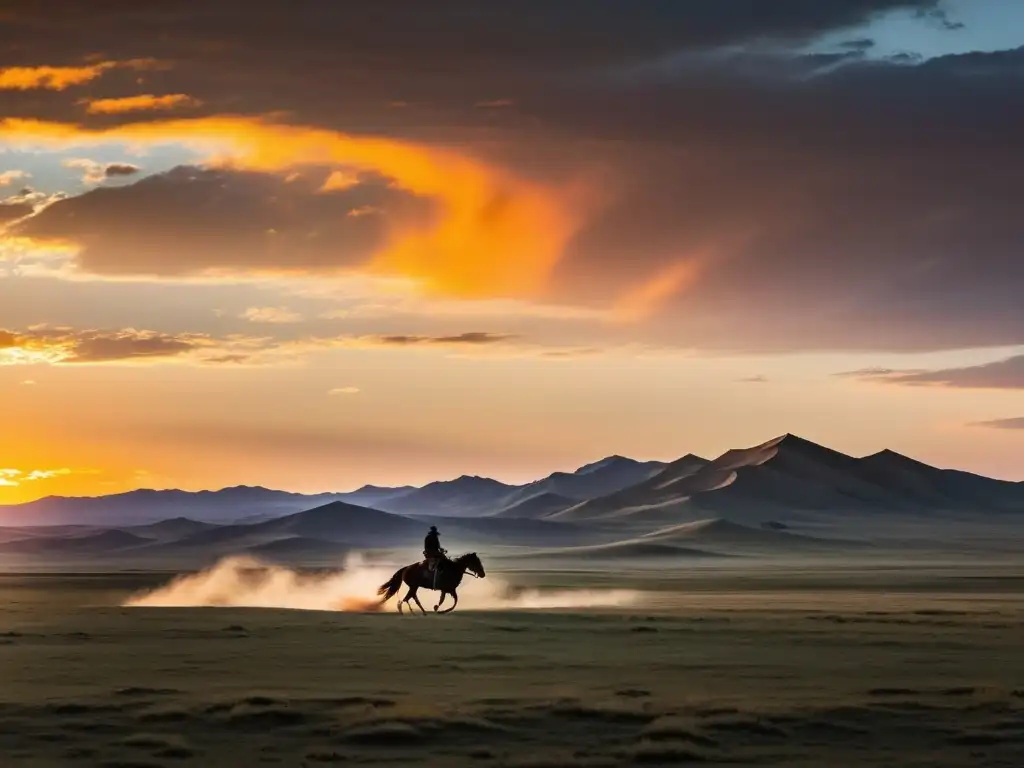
{"points": [[312, 245]]}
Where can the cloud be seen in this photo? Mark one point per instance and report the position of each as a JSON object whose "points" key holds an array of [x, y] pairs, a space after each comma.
{"points": [[120, 169], [867, 373], [1014, 423], [339, 180], [754, 380], [32, 200], [92, 172], [11, 477], [876, 197], [69, 346], [195, 222], [9, 177], [142, 103], [59, 78], [95, 173], [646, 298], [271, 315], [344, 391], [472, 337], [1001, 374], [12, 211], [51, 78], [521, 225]]}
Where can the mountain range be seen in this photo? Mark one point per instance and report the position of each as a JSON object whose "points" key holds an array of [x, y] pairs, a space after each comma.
{"points": [[463, 496], [784, 496]]}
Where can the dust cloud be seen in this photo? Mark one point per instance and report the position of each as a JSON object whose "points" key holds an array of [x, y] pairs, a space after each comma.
{"points": [[245, 582]]}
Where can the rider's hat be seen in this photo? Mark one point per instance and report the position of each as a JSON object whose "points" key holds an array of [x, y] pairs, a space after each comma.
{"points": [[433, 528]]}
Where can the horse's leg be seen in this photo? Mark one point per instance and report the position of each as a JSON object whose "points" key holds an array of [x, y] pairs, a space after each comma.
{"points": [[415, 597], [455, 597], [404, 600], [439, 602]]}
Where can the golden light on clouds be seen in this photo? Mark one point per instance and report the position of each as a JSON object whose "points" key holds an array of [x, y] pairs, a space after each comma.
{"points": [[10, 177], [344, 391], [50, 78], [11, 477], [143, 103], [641, 302], [61, 78], [43, 345], [339, 180], [271, 315], [497, 234]]}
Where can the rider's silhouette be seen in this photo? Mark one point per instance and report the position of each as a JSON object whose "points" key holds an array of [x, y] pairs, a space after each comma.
{"points": [[433, 552]]}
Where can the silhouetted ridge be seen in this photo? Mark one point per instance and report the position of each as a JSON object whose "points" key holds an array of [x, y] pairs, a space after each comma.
{"points": [[94, 543], [614, 460], [534, 507]]}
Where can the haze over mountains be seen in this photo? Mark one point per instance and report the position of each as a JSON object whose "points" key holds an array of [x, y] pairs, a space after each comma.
{"points": [[785, 496], [463, 496]]}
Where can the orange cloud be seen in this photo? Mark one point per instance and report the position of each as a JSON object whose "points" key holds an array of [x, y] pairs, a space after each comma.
{"points": [[271, 315], [340, 180], [50, 78], [67, 346], [639, 303], [141, 103], [9, 177], [643, 301], [497, 234], [61, 78], [12, 477]]}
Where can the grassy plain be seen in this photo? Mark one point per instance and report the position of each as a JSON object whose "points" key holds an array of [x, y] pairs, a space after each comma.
{"points": [[840, 667]]}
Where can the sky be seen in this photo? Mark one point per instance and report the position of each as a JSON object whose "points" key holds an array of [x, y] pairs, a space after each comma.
{"points": [[310, 246]]}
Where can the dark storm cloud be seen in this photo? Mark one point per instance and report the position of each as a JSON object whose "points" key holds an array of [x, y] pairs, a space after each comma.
{"points": [[402, 32], [876, 204], [830, 201], [189, 219], [1002, 374], [325, 59]]}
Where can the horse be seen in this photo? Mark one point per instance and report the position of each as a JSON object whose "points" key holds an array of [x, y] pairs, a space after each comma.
{"points": [[418, 575]]}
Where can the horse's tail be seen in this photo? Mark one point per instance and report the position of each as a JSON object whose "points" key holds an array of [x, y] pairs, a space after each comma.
{"points": [[388, 589]]}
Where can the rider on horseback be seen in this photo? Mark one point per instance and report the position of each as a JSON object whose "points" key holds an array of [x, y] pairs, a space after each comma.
{"points": [[433, 552]]}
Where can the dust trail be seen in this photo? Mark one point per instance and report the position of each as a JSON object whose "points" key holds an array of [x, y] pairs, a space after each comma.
{"points": [[250, 583]]}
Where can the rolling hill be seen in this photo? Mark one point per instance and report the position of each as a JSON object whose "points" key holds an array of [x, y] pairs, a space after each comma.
{"points": [[472, 496], [104, 542], [541, 505], [588, 482], [150, 506], [466, 495]]}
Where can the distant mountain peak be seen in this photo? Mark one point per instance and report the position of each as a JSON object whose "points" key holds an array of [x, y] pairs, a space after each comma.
{"points": [[604, 463], [888, 453], [478, 480], [691, 458], [614, 461]]}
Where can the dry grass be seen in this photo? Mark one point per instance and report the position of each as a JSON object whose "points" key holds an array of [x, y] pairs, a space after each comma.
{"points": [[744, 682]]}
